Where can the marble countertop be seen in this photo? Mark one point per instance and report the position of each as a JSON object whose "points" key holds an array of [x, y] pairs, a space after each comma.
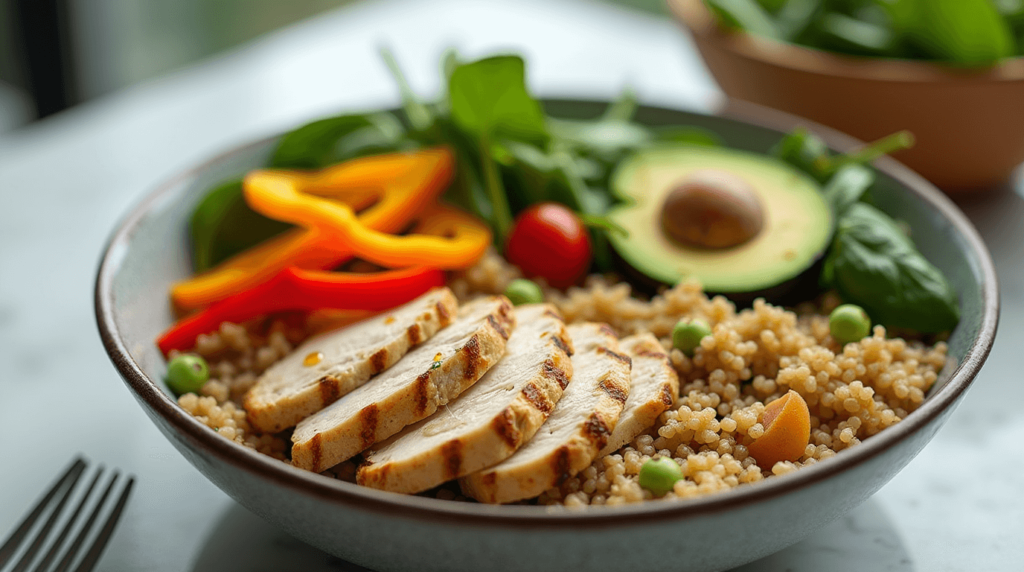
{"points": [[66, 181]]}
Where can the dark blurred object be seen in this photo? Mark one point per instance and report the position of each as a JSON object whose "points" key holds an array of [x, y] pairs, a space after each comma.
{"points": [[42, 41], [967, 122]]}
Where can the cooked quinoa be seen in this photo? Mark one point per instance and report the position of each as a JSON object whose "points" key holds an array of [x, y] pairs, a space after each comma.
{"points": [[752, 357]]}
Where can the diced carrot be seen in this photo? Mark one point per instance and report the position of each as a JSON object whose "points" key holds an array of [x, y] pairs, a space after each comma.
{"points": [[787, 429]]}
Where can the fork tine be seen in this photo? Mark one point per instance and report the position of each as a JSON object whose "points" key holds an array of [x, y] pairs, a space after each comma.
{"points": [[72, 550], [10, 546], [50, 554], [44, 531], [93, 555]]}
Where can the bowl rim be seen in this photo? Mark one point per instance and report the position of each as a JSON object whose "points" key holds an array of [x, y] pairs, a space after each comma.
{"points": [[695, 16], [335, 491]]}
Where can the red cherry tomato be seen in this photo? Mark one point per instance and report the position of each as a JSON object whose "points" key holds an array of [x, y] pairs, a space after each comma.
{"points": [[548, 240]]}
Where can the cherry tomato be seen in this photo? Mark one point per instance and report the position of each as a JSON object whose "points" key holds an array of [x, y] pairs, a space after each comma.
{"points": [[548, 240]]}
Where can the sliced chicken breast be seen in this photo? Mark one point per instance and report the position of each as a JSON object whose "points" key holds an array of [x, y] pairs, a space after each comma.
{"points": [[490, 420], [575, 431], [654, 386], [428, 377], [330, 365]]}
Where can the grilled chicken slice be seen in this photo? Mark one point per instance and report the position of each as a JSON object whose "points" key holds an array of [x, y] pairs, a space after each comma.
{"points": [[575, 431], [490, 420], [653, 388], [330, 365], [428, 377]]}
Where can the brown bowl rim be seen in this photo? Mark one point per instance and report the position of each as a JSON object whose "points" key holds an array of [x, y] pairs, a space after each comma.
{"points": [[465, 514], [695, 17]]}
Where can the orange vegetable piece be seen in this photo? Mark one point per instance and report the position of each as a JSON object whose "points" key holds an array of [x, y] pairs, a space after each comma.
{"points": [[394, 187], [787, 429]]}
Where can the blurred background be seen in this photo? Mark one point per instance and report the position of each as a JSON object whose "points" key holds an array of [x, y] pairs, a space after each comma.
{"points": [[55, 54]]}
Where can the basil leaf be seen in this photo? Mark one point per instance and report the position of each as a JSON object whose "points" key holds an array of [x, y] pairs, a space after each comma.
{"points": [[873, 264], [223, 225], [489, 97], [326, 141], [847, 186]]}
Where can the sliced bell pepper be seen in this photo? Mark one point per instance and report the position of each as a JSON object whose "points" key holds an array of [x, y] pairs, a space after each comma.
{"points": [[401, 184], [280, 195], [293, 289]]}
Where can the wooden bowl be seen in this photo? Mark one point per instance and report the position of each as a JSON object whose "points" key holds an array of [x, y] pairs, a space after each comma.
{"points": [[969, 124]]}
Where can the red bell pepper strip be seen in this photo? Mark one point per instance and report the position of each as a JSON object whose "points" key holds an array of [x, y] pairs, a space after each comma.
{"points": [[305, 290]]}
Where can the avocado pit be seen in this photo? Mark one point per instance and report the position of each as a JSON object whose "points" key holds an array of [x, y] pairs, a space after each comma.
{"points": [[712, 209]]}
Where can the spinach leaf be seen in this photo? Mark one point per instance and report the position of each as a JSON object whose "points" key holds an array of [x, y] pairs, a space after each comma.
{"points": [[961, 31], [326, 141], [489, 97], [223, 225], [873, 264], [846, 187]]}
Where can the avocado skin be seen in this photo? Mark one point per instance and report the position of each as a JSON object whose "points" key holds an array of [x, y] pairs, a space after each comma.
{"points": [[803, 287]]}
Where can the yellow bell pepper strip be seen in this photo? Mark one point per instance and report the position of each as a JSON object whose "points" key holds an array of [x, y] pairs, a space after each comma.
{"points": [[398, 184], [293, 289], [279, 195]]}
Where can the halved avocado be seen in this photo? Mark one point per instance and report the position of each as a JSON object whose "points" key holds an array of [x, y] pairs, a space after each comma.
{"points": [[795, 231]]}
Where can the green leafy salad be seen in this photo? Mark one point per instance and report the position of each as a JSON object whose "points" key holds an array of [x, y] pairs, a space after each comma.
{"points": [[664, 203], [960, 32]]}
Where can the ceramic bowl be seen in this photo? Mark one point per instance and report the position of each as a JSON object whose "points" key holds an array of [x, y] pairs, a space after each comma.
{"points": [[386, 531], [969, 124]]}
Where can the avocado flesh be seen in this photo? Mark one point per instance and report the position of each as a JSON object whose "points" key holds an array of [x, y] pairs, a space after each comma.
{"points": [[797, 220]]}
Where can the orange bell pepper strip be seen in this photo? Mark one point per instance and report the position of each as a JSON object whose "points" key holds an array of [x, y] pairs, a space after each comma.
{"points": [[279, 195], [293, 289], [399, 184]]}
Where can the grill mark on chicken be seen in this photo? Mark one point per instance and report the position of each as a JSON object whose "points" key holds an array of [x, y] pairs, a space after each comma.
{"points": [[651, 353], [422, 392], [607, 330], [443, 313], [596, 429], [537, 399], [329, 388], [666, 395], [472, 351], [314, 450], [562, 345], [379, 360], [613, 390], [551, 370], [451, 452], [497, 326], [560, 464], [623, 358], [368, 423], [553, 314], [505, 426], [415, 334]]}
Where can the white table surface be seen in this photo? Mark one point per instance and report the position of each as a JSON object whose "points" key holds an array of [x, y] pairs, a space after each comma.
{"points": [[66, 181]]}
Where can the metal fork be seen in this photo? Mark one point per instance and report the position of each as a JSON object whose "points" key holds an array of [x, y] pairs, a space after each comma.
{"points": [[54, 501]]}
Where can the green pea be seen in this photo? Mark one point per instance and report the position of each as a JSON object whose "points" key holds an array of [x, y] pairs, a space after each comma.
{"points": [[522, 291], [186, 373], [687, 334], [660, 474], [849, 323]]}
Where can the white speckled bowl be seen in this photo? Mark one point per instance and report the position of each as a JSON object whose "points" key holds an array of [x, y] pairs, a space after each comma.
{"points": [[387, 531]]}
